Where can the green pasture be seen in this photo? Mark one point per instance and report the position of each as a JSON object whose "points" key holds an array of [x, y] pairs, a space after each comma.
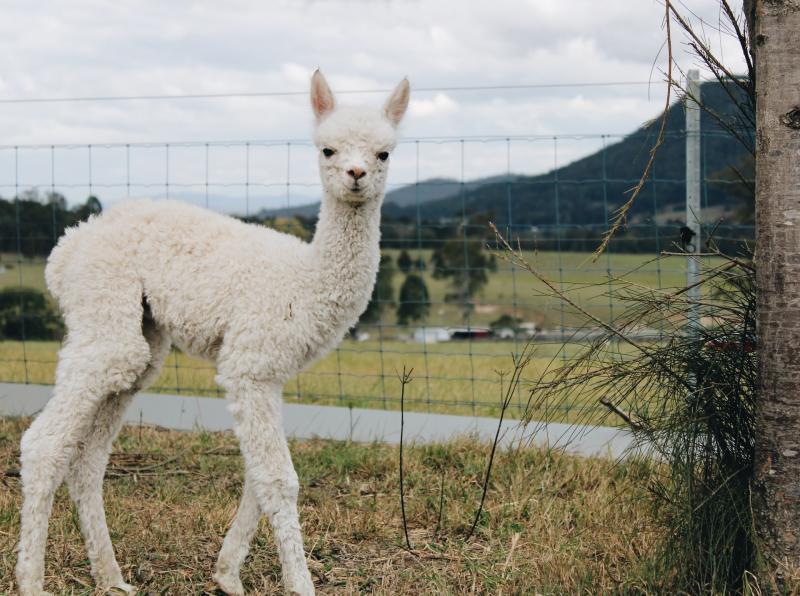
{"points": [[516, 292], [455, 377], [26, 272], [508, 291]]}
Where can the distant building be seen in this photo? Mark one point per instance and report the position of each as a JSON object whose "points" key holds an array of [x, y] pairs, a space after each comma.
{"points": [[504, 333], [359, 335], [470, 333], [431, 335]]}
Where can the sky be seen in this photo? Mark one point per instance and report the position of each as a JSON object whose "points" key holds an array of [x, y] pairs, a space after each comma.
{"points": [[231, 152]]}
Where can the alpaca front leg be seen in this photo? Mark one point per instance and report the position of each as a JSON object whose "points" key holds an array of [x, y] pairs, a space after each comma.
{"points": [[237, 542], [256, 408]]}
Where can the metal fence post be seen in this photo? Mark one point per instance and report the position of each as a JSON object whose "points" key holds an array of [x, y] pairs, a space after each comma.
{"points": [[693, 182]]}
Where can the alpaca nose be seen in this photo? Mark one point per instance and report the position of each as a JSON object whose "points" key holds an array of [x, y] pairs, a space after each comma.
{"points": [[356, 173]]}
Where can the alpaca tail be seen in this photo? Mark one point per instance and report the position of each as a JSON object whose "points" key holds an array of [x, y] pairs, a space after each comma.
{"points": [[88, 240], [55, 272]]}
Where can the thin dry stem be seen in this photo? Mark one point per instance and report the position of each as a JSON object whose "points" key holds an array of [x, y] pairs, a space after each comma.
{"points": [[622, 212], [405, 379]]}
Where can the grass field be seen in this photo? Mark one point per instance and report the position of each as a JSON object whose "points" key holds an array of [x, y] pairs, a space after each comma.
{"points": [[508, 291], [552, 525], [28, 273], [453, 377], [515, 292], [446, 377]]}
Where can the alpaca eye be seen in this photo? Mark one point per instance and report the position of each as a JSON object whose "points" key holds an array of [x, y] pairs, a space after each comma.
{"points": [[327, 152], [383, 155]]}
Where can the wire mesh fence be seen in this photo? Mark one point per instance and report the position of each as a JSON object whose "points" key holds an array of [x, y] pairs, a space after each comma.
{"points": [[445, 304]]}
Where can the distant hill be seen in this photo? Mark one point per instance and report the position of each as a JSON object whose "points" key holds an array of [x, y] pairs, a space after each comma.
{"points": [[588, 191], [308, 210], [574, 193], [433, 189]]}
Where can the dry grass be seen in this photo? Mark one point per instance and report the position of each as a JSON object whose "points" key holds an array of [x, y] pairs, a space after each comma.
{"points": [[553, 524]]}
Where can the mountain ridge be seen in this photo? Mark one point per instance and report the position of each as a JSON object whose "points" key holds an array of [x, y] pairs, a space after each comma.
{"points": [[588, 190]]}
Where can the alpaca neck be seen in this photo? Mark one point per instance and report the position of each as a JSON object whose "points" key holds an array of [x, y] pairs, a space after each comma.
{"points": [[347, 253]]}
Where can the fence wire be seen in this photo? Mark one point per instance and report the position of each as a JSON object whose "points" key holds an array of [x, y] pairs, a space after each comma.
{"points": [[475, 311]]}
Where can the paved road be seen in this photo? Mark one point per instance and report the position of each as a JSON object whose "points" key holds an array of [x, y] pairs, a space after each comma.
{"points": [[356, 424]]}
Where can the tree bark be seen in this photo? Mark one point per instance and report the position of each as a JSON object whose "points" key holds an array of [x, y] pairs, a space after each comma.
{"points": [[776, 488]]}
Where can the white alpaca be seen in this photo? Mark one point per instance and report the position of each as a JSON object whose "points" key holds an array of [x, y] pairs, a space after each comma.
{"points": [[263, 305]]}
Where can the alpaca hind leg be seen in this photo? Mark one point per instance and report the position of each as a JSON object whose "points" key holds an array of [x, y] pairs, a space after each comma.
{"points": [[89, 370], [85, 482], [85, 479], [256, 408]]}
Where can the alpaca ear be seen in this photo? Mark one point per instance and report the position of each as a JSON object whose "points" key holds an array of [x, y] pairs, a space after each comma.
{"points": [[321, 96], [397, 103]]}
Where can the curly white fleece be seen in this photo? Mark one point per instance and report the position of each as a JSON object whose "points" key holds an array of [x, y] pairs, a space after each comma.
{"points": [[259, 303]]}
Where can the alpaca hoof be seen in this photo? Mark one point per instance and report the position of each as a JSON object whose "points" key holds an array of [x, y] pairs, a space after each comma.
{"points": [[302, 586], [121, 587], [229, 584]]}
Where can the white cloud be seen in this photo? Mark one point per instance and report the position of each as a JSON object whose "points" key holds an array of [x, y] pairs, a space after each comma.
{"points": [[92, 47], [435, 106]]}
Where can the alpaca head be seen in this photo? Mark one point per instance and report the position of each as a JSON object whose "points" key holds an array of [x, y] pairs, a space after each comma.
{"points": [[355, 143]]}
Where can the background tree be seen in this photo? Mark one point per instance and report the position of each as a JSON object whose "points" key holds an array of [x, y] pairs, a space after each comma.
{"points": [[40, 319], [505, 321], [56, 200], [92, 206], [464, 263], [777, 483], [438, 264], [33, 222], [414, 300], [290, 225], [382, 292], [404, 262]]}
